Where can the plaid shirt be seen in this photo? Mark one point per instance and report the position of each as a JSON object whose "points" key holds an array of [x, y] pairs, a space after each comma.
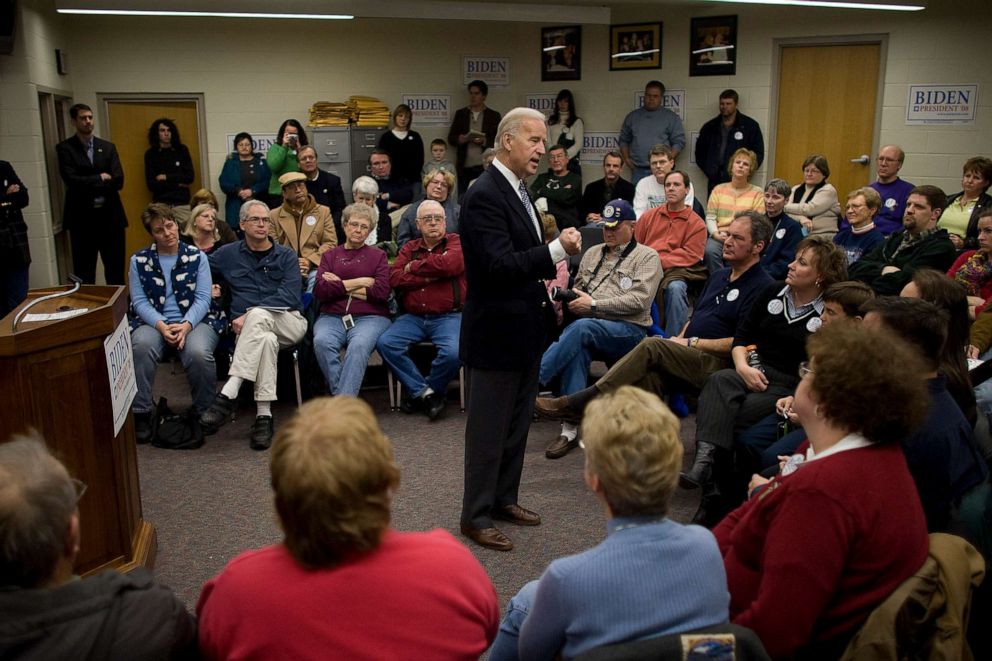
{"points": [[622, 292]]}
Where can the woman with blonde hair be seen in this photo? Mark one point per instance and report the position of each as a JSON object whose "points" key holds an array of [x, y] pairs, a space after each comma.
{"points": [[651, 576], [727, 200]]}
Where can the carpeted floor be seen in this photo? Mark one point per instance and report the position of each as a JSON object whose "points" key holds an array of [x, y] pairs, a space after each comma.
{"points": [[210, 504]]}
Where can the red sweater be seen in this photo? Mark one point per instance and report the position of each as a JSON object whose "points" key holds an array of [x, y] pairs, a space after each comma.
{"points": [[430, 281], [678, 236], [810, 557], [417, 596]]}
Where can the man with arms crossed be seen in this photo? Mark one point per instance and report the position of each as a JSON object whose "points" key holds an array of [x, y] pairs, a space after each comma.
{"points": [[503, 324]]}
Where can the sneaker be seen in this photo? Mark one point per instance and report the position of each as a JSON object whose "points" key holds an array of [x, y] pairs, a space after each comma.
{"points": [[261, 433], [143, 427], [218, 415]]}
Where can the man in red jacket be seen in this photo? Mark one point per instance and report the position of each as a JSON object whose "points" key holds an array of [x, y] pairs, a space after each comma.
{"points": [[428, 276]]}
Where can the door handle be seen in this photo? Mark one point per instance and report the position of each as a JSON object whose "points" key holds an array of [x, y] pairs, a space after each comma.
{"points": [[864, 159]]}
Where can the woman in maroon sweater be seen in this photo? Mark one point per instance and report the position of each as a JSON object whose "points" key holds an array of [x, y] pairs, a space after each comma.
{"points": [[352, 288], [811, 555]]}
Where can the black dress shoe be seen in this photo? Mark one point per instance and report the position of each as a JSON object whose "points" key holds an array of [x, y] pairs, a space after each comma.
{"points": [[435, 405], [218, 415], [143, 427], [516, 514], [412, 404], [491, 538], [561, 446], [261, 433], [702, 467], [556, 408]]}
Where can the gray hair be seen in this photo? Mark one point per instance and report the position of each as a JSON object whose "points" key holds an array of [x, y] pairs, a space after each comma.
{"points": [[358, 209], [427, 203], [512, 121], [37, 501], [246, 209], [365, 185], [780, 186]]}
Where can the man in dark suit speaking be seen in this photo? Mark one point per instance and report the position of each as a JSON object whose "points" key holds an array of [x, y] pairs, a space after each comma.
{"points": [[93, 213], [503, 325]]}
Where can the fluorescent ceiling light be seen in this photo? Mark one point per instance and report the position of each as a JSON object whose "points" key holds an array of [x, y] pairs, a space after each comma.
{"points": [[221, 14], [841, 4]]}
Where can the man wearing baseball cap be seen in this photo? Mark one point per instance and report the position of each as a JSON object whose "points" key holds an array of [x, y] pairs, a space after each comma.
{"points": [[678, 235], [612, 295]]}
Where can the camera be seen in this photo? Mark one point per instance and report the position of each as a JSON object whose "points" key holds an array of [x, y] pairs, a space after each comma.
{"points": [[563, 295]]}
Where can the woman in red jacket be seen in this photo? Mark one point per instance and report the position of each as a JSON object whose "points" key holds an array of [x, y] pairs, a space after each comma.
{"points": [[813, 553]]}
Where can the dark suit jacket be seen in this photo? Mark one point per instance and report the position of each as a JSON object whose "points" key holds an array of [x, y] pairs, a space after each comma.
{"points": [[593, 198], [83, 183], [708, 156], [506, 263], [461, 124]]}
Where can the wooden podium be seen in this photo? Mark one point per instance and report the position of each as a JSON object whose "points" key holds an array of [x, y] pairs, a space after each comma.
{"points": [[53, 377]]}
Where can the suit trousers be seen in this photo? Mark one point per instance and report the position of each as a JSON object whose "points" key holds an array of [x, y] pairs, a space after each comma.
{"points": [[500, 406], [726, 405], [87, 243], [659, 366]]}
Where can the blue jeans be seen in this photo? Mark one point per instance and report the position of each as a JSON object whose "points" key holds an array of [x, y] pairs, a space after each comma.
{"points": [[440, 329], [580, 342], [504, 647], [713, 255], [330, 337], [676, 301], [197, 357]]}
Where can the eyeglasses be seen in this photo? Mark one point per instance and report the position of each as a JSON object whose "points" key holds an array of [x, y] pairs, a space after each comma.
{"points": [[358, 226], [804, 369], [886, 159], [256, 220], [430, 220], [80, 488]]}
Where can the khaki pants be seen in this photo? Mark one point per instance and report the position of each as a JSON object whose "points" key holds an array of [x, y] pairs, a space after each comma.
{"points": [[657, 365], [263, 334]]}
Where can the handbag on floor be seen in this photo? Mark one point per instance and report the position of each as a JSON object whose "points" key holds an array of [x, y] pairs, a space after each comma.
{"points": [[176, 431]]}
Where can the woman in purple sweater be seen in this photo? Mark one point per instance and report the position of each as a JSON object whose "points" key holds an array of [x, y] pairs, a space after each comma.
{"points": [[352, 287]]}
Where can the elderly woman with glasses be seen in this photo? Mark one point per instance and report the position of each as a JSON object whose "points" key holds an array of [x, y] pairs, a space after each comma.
{"points": [[438, 185], [810, 556], [352, 289], [814, 202], [365, 190]]}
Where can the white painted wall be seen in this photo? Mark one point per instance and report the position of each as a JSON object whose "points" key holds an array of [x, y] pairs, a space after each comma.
{"points": [[254, 74]]}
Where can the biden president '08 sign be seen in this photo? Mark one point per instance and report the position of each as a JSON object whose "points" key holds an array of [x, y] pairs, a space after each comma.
{"points": [[941, 104]]}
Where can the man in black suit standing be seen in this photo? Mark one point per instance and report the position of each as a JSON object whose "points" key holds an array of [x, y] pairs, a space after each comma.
{"points": [[93, 213], [503, 325]]}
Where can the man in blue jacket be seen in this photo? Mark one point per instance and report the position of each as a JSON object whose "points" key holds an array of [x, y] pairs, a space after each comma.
{"points": [[264, 279], [723, 135]]}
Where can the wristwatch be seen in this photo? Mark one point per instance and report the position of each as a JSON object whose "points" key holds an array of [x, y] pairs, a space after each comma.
{"points": [[693, 341], [593, 307]]}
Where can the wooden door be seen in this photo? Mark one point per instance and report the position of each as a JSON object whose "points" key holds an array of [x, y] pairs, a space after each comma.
{"points": [[128, 122], [827, 105]]}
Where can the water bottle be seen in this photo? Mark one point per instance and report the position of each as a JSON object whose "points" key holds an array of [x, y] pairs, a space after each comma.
{"points": [[753, 359]]}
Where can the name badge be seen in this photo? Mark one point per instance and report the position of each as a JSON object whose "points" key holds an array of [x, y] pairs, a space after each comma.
{"points": [[311, 220], [890, 203], [738, 136], [177, 164], [775, 306], [779, 234], [626, 283], [733, 294], [814, 324]]}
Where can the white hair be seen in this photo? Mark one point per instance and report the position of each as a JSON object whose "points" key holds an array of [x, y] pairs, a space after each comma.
{"points": [[429, 203], [511, 122], [366, 185]]}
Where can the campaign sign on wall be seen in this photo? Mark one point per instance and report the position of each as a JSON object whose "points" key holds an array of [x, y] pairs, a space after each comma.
{"points": [[674, 100], [595, 144], [941, 104], [495, 71], [544, 103], [429, 109]]}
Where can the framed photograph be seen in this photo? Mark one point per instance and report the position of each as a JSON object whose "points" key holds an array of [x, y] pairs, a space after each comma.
{"points": [[713, 46], [561, 53], [635, 46]]}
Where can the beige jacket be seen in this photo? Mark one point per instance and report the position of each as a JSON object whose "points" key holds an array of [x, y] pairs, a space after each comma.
{"points": [[316, 233]]}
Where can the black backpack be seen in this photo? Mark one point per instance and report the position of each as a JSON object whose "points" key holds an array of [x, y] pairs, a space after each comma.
{"points": [[176, 431]]}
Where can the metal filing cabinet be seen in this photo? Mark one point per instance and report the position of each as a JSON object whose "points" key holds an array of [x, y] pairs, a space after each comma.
{"points": [[333, 145], [363, 140]]}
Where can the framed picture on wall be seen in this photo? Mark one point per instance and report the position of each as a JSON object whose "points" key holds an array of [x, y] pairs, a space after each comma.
{"points": [[635, 46], [713, 46], [561, 53]]}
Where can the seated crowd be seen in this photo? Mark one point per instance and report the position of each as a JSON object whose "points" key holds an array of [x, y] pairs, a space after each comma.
{"points": [[824, 354]]}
